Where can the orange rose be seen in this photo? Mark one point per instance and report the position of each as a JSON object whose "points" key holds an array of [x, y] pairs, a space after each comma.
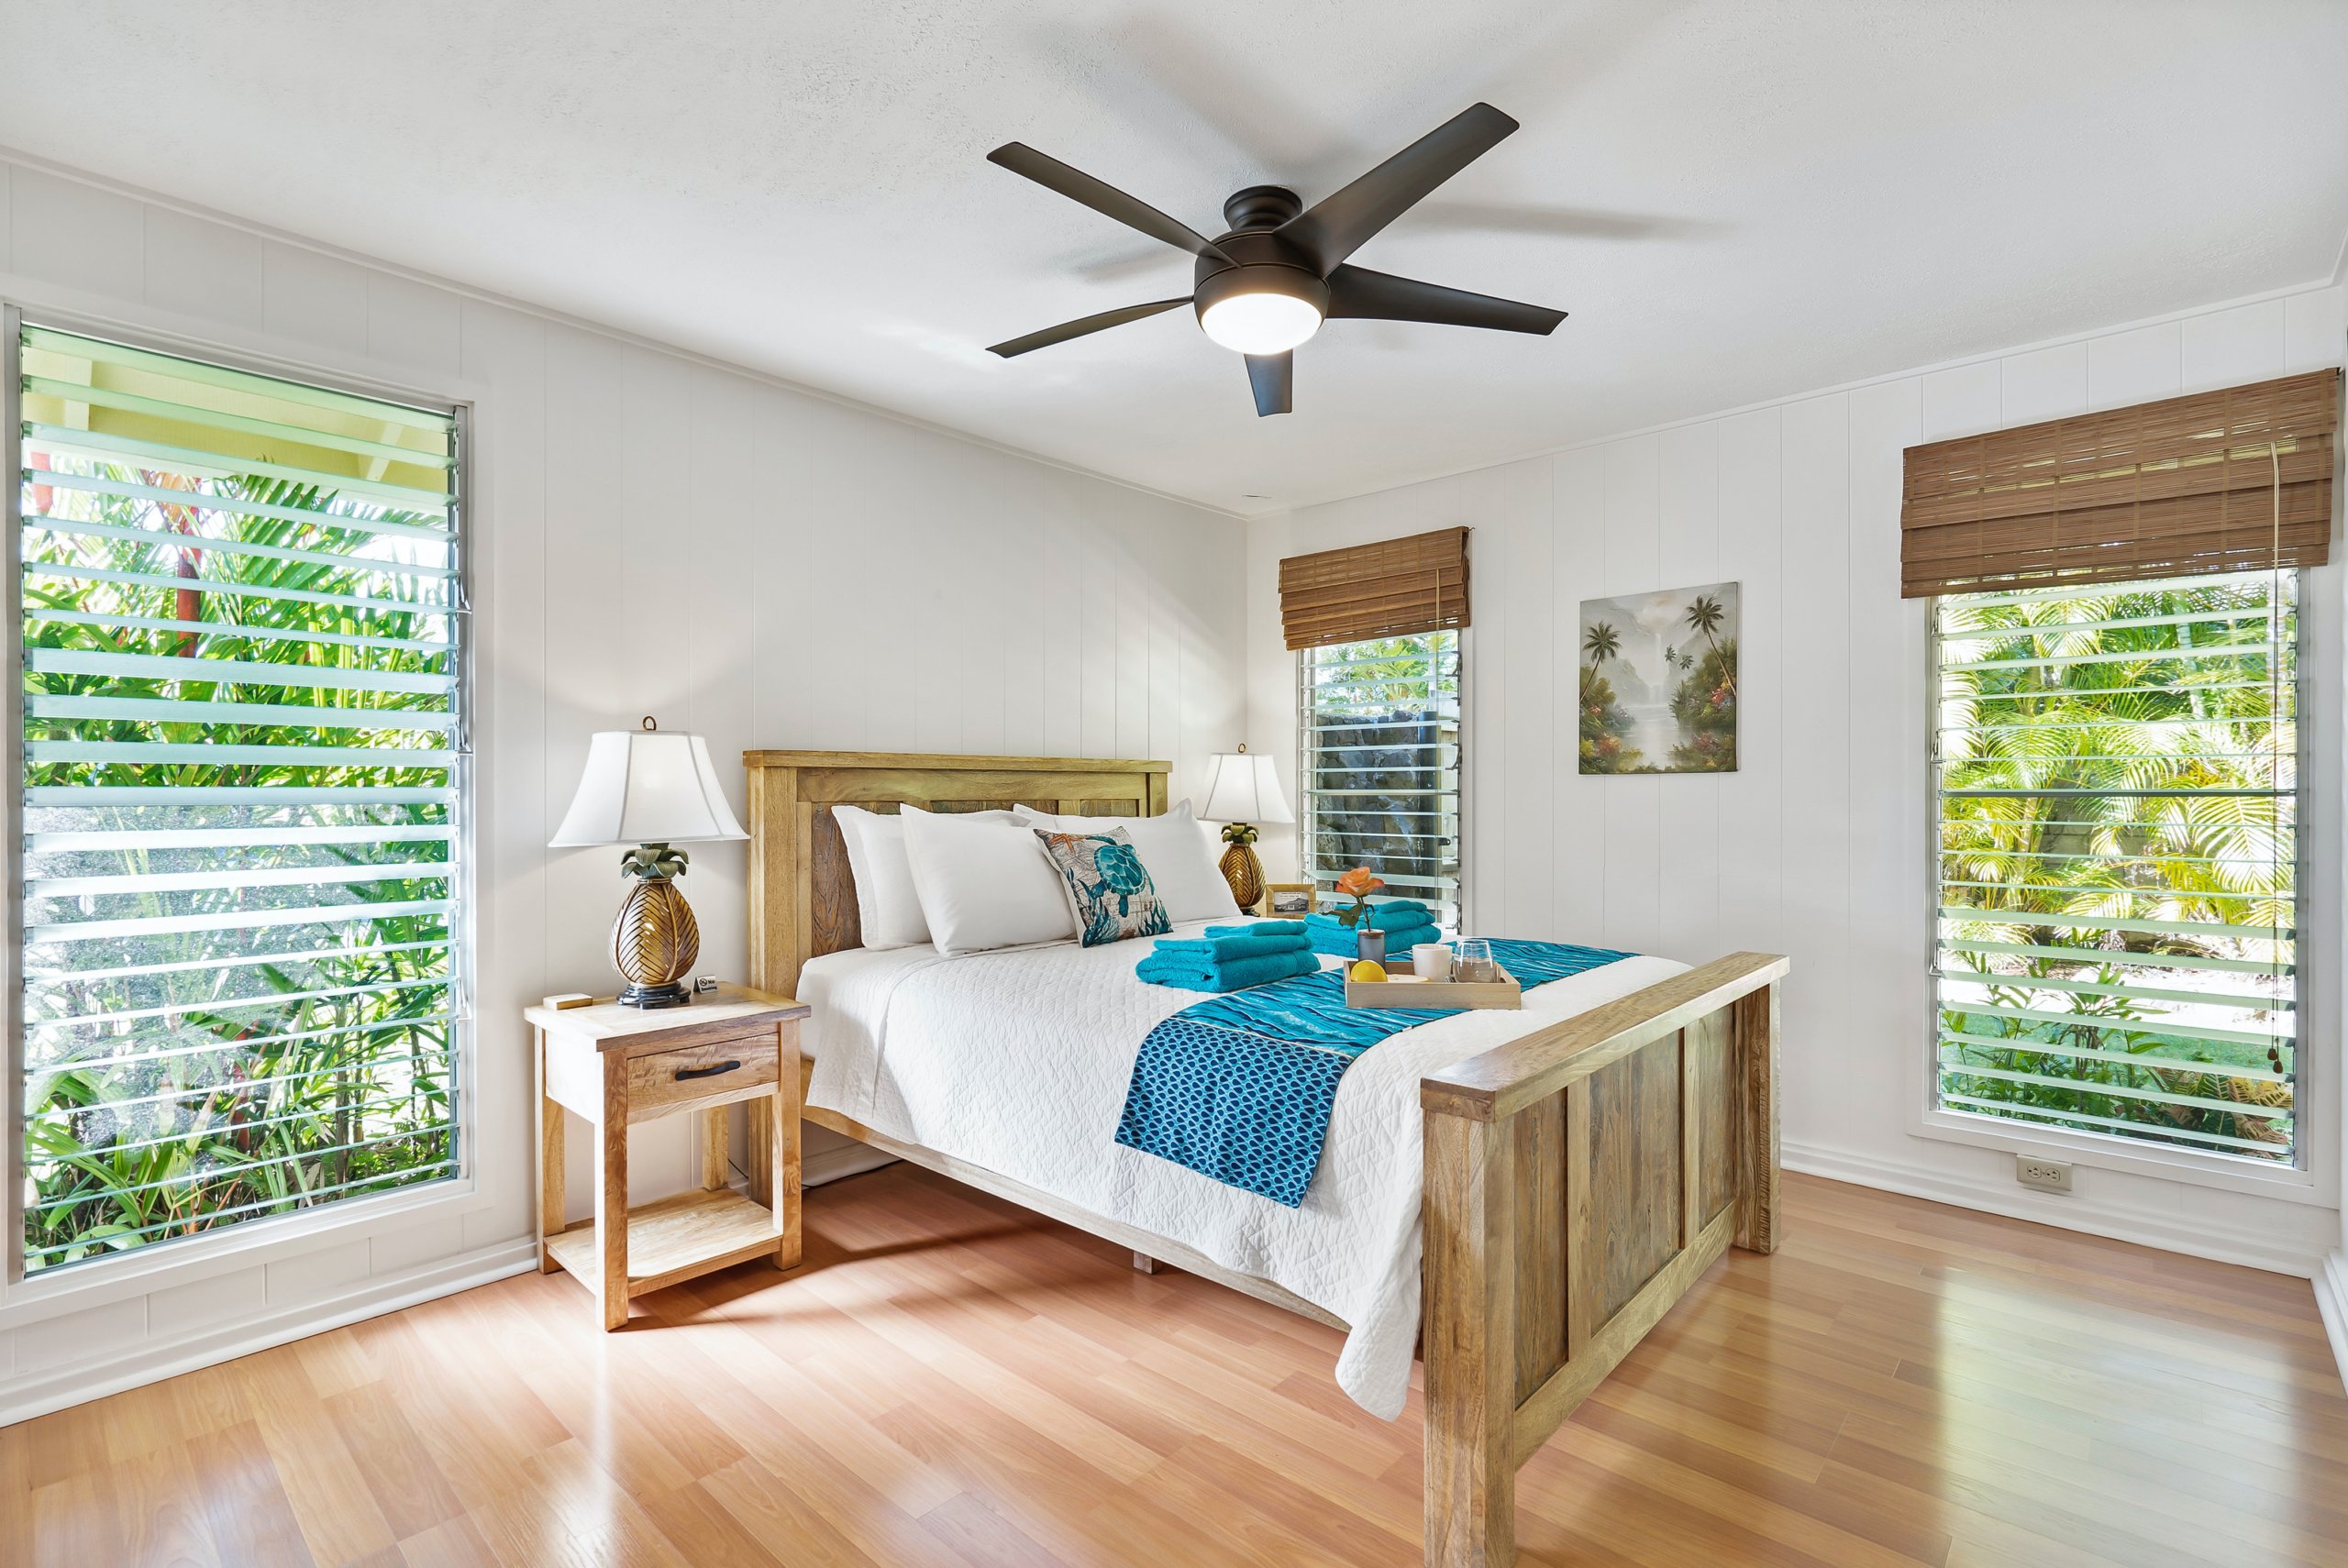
{"points": [[1357, 885]]}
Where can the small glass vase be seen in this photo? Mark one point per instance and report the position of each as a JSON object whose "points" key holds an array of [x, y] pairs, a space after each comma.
{"points": [[1369, 944]]}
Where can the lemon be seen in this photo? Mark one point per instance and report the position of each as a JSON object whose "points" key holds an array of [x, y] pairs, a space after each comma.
{"points": [[1367, 969]]}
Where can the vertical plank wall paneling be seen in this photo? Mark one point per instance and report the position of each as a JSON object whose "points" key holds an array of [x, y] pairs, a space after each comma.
{"points": [[1527, 695], [1687, 551], [1816, 846], [1887, 995], [1631, 530], [1578, 551], [654, 535], [1813, 816]]}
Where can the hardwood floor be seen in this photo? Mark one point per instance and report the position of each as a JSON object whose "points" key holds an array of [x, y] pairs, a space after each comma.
{"points": [[950, 1381]]}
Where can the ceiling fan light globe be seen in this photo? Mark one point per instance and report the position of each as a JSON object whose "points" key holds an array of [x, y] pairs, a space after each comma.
{"points": [[1260, 323]]}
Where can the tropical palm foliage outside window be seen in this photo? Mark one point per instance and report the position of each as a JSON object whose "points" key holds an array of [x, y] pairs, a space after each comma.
{"points": [[242, 749], [2118, 826], [1379, 724]]}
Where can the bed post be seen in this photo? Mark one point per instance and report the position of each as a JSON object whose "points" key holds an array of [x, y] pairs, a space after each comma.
{"points": [[1757, 1118], [1470, 1317], [775, 872]]}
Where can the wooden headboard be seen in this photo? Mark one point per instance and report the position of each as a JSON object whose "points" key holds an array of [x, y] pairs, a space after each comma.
{"points": [[802, 900]]}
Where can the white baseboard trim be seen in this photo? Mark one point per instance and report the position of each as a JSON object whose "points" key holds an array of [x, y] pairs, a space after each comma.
{"points": [[847, 1160], [153, 1360], [2144, 1228], [2332, 1300]]}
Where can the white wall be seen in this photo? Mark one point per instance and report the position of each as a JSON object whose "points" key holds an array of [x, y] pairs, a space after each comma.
{"points": [[654, 535], [1816, 846]]}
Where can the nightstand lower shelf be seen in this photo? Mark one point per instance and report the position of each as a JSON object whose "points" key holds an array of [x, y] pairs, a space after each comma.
{"points": [[675, 1239]]}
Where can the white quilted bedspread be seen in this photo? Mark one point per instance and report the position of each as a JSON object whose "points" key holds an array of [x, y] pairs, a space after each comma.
{"points": [[1018, 1061]]}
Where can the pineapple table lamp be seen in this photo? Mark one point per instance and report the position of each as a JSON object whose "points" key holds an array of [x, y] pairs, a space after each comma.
{"points": [[1243, 790], [651, 789]]}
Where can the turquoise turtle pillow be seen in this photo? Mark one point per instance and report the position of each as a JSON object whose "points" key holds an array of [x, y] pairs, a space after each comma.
{"points": [[1108, 889]]}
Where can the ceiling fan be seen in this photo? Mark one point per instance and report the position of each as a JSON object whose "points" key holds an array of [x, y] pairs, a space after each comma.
{"points": [[1265, 286]]}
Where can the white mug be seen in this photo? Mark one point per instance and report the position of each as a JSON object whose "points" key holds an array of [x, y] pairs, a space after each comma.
{"points": [[1431, 960]]}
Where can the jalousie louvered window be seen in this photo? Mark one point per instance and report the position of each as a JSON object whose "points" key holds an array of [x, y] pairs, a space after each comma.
{"points": [[242, 763], [2118, 909]]}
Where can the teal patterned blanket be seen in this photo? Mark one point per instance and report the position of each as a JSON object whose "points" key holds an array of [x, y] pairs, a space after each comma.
{"points": [[1239, 1087]]}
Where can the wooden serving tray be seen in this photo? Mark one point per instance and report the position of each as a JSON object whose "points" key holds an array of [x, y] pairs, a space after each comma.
{"points": [[1409, 991]]}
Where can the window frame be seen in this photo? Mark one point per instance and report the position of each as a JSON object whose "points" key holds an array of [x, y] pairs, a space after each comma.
{"points": [[33, 1296], [2304, 1178], [1301, 761]]}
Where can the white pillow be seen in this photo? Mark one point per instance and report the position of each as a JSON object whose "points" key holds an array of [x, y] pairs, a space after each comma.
{"points": [[887, 905], [984, 883], [1175, 851]]}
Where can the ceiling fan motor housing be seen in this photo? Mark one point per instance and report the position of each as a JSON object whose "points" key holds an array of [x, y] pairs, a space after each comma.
{"points": [[1260, 263], [1261, 207]]}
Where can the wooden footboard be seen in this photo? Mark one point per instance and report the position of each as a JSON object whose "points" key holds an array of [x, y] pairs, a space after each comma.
{"points": [[1577, 1182]]}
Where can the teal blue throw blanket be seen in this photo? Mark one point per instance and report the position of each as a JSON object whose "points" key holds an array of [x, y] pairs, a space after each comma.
{"points": [[1239, 1087]]}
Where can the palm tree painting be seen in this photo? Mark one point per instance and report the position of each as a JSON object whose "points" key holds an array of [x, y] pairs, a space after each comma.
{"points": [[1706, 616], [1658, 681]]}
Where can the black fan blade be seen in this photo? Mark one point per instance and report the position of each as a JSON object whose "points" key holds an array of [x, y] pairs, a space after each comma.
{"points": [[1067, 329], [1105, 199], [1381, 296], [1335, 226], [1274, 378]]}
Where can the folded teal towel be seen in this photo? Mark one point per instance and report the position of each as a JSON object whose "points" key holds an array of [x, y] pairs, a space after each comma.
{"points": [[1187, 974], [1204, 964], [1240, 943], [1390, 915], [1345, 943], [1261, 928]]}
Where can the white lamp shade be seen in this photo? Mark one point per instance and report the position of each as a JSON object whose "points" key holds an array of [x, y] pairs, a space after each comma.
{"points": [[647, 787], [1244, 787]]}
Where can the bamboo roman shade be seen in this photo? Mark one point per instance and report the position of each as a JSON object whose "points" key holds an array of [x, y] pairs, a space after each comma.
{"points": [[1396, 588], [2183, 487]]}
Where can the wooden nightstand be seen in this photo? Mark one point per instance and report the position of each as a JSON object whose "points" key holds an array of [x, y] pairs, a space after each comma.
{"points": [[619, 1065]]}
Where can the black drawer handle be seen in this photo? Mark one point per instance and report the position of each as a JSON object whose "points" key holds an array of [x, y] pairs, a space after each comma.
{"points": [[709, 1072]]}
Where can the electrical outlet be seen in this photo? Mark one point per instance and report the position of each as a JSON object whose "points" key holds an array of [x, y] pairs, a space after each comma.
{"points": [[2049, 1175]]}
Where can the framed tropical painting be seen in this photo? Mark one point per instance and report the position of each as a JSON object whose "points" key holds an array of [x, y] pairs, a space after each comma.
{"points": [[1658, 681]]}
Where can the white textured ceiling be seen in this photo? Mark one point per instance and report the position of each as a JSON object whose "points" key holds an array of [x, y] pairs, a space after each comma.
{"points": [[1735, 199]]}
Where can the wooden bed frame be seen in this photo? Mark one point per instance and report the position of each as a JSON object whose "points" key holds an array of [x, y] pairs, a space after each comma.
{"points": [[1579, 1180]]}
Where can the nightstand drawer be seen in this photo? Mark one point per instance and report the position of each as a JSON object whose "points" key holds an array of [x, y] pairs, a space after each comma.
{"points": [[708, 1073]]}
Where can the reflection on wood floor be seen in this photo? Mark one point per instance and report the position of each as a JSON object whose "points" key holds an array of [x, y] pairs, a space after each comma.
{"points": [[951, 1381]]}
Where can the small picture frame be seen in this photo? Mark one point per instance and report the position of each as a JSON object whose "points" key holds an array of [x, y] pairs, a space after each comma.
{"points": [[1291, 900]]}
